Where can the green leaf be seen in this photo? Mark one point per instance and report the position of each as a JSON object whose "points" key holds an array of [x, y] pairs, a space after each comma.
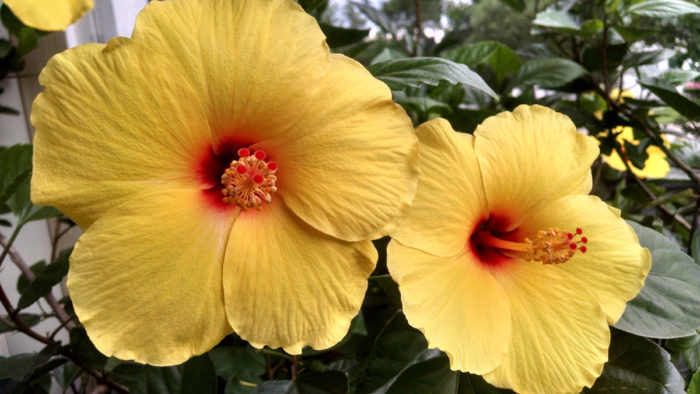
{"points": [[556, 20], [23, 281], [631, 34], [27, 41], [400, 74], [339, 37], [145, 379], [198, 376], [424, 105], [636, 59], [517, 5], [637, 365], [695, 247], [669, 303], [663, 8], [313, 5], [688, 348], [332, 382], [9, 20], [85, 352], [423, 374], [637, 154], [680, 103], [48, 277], [15, 168], [694, 386], [499, 57], [549, 72], [18, 366], [243, 363]]}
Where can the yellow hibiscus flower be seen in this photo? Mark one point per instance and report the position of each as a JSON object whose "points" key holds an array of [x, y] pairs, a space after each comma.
{"points": [[505, 263], [655, 165], [227, 172], [49, 15]]}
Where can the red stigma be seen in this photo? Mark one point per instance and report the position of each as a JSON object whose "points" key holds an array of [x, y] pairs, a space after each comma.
{"points": [[272, 166], [579, 231], [243, 152], [572, 245], [584, 240], [240, 169], [260, 155], [257, 178], [582, 249], [569, 235]]}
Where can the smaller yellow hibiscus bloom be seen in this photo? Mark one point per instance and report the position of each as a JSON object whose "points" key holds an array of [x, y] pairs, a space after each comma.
{"points": [[49, 15], [655, 165], [505, 263]]}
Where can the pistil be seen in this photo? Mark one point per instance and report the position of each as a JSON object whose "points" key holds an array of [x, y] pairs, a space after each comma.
{"points": [[250, 180]]}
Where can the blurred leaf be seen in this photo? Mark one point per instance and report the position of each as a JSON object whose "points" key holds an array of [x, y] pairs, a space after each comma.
{"points": [[145, 379], [499, 57], [549, 72], [378, 17], [312, 5], [614, 54], [669, 303], [637, 154], [9, 20], [402, 73], [233, 362], [517, 5], [694, 386], [592, 26], [631, 34], [85, 352], [423, 106], [663, 8], [332, 382], [23, 281], [695, 247], [688, 348], [389, 287], [50, 276], [637, 365], [17, 367], [27, 41], [29, 319], [198, 376], [680, 103], [8, 111], [636, 59], [556, 20], [5, 49], [339, 36]]}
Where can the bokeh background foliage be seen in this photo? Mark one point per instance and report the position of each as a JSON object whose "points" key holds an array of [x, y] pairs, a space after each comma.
{"points": [[464, 61]]}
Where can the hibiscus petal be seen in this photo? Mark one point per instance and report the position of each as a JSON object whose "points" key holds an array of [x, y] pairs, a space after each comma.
{"points": [[49, 15], [109, 124], [256, 64], [614, 265], [560, 336], [457, 304], [145, 279], [288, 285], [530, 157], [450, 198], [350, 166]]}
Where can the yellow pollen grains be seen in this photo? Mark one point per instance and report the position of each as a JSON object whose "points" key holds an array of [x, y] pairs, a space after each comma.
{"points": [[554, 246], [250, 180]]}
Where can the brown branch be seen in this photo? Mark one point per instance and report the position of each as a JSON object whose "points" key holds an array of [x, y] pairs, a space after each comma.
{"points": [[651, 194]]}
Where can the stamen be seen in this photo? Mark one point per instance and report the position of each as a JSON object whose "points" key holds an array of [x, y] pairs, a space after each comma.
{"points": [[553, 246], [250, 180]]}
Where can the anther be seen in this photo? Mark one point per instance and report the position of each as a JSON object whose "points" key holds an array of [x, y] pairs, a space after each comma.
{"points": [[584, 240], [582, 249], [579, 231], [249, 181]]}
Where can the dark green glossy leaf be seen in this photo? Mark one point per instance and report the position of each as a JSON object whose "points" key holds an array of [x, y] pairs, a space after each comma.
{"points": [[18, 366], [680, 103], [423, 374], [688, 348], [557, 20], [400, 74], [86, 353], [549, 72], [669, 303], [198, 376], [145, 379], [46, 279], [23, 282], [233, 362], [637, 154], [663, 8], [637, 365], [339, 36]]}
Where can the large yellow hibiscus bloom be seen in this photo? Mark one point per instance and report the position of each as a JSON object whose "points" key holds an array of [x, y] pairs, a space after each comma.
{"points": [[227, 172], [49, 15], [505, 263]]}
